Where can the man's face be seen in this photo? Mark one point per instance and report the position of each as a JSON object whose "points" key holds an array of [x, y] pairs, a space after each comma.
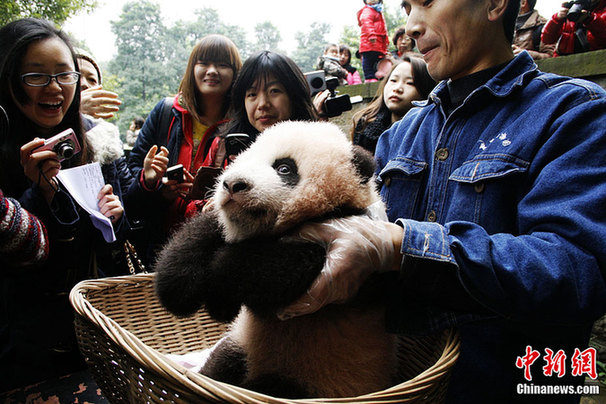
{"points": [[453, 35]]}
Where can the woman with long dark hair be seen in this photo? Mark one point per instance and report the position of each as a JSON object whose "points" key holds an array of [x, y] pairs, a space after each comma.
{"points": [[40, 90], [407, 81], [270, 89]]}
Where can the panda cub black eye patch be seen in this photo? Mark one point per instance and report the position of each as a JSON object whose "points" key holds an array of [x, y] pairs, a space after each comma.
{"points": [[286, 168]]}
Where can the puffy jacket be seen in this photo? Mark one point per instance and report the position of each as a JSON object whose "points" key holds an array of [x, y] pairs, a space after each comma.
{"points": [[562, 33], [502, 206], [158, 214], [373, 36]]}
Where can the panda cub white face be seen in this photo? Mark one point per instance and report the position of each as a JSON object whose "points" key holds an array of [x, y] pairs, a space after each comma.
{"points": [[293, 172]]}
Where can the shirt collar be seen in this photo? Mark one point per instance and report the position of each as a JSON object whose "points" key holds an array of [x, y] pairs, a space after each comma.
{"points": [[511, 75]]}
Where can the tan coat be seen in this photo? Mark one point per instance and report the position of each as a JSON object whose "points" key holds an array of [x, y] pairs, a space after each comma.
{"points": [[523, 37]]}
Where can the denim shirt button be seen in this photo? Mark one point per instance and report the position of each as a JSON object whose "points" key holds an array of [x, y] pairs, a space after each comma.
{"points": [[442, 154], [479, 187], [431, 216], [387, 181]]}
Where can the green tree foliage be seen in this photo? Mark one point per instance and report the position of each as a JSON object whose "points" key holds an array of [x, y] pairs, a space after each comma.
{"points": [[395, 17], [311, 46], [54, 10], [143, 78], [151, 56], [268, 36], [350, 36]]}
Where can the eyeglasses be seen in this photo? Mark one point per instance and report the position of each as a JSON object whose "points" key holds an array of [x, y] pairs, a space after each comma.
{"points": [[41, 79]]}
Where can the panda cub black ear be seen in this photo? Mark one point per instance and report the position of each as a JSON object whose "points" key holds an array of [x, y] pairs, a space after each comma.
{"points": [[364, 162]]}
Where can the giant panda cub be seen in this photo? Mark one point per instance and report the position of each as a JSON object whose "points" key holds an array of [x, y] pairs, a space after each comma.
{"points": [[243, 262]]}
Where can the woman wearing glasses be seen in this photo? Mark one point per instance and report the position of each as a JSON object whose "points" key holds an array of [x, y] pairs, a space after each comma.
{"points": [[40, 90]]}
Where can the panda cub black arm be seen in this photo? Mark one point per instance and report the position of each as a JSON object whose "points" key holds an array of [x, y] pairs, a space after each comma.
{"points": [[183, 264], [264, 273]]}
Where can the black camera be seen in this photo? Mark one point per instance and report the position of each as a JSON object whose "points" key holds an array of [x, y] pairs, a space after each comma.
{"points": [[316, 81], [576, 8], [335, 104]]}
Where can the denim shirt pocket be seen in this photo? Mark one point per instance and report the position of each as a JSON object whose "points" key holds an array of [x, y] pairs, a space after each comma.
{"points": [[486, 190], [400, 184]]}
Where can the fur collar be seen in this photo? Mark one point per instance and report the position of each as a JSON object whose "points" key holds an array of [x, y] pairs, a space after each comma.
{"points": [[104, 141]]}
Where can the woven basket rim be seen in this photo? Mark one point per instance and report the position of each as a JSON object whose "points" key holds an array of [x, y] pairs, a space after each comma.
{"points": [[175, 373]]}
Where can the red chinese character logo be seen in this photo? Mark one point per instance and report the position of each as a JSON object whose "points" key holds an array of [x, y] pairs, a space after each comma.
{"points": [[584, 363], [554, 363], [527, 360]]}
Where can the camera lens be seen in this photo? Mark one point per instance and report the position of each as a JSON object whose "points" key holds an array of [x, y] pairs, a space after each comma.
{"points": [[65, 149], [316, 82]]}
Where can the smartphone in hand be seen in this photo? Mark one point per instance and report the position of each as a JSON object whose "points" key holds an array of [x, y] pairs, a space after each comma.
{"points": [[175, 173]]}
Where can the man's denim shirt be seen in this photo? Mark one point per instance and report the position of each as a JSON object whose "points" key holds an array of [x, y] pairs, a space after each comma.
{"points": [[506, 196]]}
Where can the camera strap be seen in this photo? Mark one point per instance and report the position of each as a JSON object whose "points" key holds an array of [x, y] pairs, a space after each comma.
{"points": [[581, 44]]}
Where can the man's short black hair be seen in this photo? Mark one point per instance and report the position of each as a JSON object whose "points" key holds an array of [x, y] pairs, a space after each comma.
{"points": [[532, 3]]}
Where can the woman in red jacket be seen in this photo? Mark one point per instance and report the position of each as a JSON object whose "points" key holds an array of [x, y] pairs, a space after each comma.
{"points": [[587, 31], [373, 37]]}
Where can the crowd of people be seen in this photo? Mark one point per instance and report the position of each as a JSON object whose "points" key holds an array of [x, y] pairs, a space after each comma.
{"points": [[490, 171]]}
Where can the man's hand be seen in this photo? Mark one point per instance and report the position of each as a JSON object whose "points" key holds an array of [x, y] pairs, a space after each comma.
{"points": [[356, 247]]}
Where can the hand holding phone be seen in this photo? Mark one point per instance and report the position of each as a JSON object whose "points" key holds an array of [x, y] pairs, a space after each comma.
{"points": [[175, 173], [235, 143]]}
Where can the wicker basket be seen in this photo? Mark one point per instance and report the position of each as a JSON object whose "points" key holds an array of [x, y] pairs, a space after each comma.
{"points": [[124, 333]]}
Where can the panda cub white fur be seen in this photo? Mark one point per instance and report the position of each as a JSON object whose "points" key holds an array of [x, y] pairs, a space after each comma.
{"points": [[240, 261]]}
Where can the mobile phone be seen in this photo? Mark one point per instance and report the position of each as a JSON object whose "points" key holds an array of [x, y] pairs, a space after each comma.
{"points": [[175, 173], [235, 143], [65, 144]]}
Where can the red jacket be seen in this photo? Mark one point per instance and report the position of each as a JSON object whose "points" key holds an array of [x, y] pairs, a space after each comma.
{"points": [[374, 30], [596, 31]]}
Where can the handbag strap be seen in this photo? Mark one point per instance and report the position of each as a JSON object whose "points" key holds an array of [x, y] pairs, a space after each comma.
{"points": [[132, 259]]}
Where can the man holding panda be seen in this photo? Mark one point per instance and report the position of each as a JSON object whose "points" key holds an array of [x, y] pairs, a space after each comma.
{"points": [[496, 192]]}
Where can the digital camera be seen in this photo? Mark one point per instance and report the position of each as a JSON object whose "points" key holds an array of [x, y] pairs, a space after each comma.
{"points": [[316, 81], [65, 144], [576, 8], [335, 104]]}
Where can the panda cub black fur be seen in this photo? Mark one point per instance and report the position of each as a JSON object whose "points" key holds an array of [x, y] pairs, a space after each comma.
{"points": [[240, 262]]}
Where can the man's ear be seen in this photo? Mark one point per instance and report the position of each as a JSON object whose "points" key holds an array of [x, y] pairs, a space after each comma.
{"points": [[496, 9]]}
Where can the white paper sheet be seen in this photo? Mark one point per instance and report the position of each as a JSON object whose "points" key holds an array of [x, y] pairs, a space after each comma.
{"points": [[84, 183]]}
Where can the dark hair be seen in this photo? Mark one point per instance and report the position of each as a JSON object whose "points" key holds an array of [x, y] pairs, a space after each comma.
{"points": [[138, 121], [421, 79], [399, 32], [15, 39], [345, 48], [259, 67], [212, 48], [532, 3]]}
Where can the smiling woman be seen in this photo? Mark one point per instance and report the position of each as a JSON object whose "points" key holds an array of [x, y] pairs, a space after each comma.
{"points": [[270, 89], [40, 90], [179, 130]]}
